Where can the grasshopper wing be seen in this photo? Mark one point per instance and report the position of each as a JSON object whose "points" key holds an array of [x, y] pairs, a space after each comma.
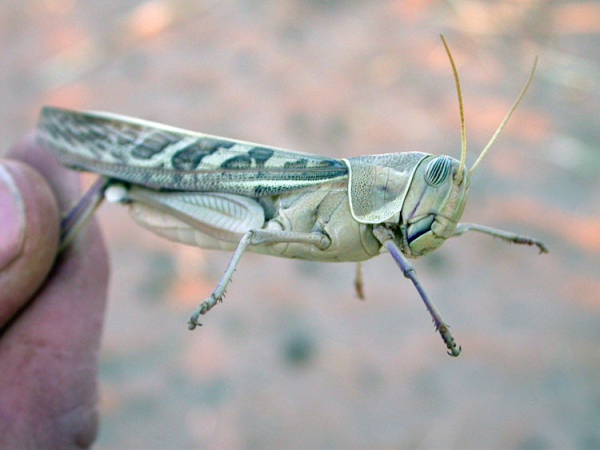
{"points": [[167, 158]]}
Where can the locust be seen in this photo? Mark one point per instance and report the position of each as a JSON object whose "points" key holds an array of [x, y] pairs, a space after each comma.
{"points": [[226, 194]]}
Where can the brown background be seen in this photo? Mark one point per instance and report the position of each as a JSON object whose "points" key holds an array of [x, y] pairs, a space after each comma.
{"points": [[292, 358]]}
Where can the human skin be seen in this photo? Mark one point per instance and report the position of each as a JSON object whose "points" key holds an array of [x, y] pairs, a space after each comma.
{"points": [[51, 307]]}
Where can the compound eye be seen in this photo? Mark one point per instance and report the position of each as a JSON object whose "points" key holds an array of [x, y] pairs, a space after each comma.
{"points": [[438, 170]]}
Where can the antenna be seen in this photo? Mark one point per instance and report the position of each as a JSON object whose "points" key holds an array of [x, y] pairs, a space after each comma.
{"points": [[463, 131], [501, 127]]}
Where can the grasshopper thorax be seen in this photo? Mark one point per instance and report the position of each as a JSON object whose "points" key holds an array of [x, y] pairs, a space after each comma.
{"points": [[433, 205]]}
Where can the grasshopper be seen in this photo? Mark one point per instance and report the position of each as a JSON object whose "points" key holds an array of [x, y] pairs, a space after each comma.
{"points": [[226, 194]]}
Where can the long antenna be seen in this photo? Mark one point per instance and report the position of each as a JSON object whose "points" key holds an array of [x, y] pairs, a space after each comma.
{"points": [[463, 131], [501, 127]]}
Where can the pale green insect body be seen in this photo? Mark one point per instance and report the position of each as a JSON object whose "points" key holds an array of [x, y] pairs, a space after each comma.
{"points": [[220, 193]]}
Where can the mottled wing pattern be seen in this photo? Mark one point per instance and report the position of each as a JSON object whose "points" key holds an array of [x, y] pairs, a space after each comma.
{"points": [[162, 157]]}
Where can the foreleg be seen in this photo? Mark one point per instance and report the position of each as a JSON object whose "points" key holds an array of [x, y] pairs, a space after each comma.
{"points": [[507, 236], [386, 237]]}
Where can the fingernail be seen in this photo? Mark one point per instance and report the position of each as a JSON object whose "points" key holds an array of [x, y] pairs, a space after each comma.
{"points": [[12, 219]]}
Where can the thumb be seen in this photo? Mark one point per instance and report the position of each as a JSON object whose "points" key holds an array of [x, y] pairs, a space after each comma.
{"points": [[29, 230]]}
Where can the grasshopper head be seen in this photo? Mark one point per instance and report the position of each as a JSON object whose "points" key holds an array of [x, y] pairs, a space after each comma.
{"points": [[422, 196], [436, 199], [433, 204]]}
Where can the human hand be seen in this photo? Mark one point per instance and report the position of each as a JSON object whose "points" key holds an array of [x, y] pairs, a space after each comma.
{"points": [[51, 308]]}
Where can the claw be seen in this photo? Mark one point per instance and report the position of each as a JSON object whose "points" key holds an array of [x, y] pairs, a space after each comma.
{"points": [[444, 331], [193, 323], [454, 351], [202, 309]]}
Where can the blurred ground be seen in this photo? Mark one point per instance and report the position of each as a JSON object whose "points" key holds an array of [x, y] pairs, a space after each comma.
{"points": [[292, 359]]}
